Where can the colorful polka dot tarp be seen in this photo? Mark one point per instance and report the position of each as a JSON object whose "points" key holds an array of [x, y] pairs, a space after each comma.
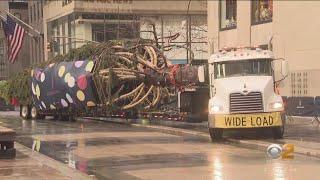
{"points": [[63, 85]]}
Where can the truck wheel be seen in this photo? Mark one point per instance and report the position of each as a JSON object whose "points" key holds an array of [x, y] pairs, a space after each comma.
{"points": [[278, 132], [215, 134], [35, 113], [25, 112]]}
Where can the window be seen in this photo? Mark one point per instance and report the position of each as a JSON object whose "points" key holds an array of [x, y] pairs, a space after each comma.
{"points": [[18, 15], [261, 11], [41, 9], [253, 67], [34, 13], [228, 14], [30, 12], [38, 8], [66, 2]]}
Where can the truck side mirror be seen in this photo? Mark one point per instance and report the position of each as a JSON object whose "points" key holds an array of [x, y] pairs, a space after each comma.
{"points": [[201, 74], [280, 67]]}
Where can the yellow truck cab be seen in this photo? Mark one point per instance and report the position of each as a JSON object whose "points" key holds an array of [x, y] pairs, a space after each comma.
{"points": [[243, 92]]}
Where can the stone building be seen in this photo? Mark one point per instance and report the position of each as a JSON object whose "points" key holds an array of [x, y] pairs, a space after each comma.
{"points": [[7, 69], [36, 45], [291, 27], [70, 24]]}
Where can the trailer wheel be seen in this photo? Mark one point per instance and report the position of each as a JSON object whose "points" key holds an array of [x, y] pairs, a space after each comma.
{"points": [[25, 112], [35, 113], [215, 134]]}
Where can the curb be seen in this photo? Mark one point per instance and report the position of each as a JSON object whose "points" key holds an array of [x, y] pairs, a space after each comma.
{"points": [[64, 169]]}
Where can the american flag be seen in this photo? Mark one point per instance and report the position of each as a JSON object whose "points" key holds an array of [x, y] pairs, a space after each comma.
{"points": [[14, 34]]}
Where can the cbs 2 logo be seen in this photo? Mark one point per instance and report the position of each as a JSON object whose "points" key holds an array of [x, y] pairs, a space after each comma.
{"points": [[286, 151]]}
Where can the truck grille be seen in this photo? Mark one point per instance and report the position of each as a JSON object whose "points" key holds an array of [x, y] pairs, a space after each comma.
{"points": [[251, 102]]}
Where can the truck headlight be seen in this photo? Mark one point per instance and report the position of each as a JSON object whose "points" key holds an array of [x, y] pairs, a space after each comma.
{"points": [[276, 105], [215, 108]]}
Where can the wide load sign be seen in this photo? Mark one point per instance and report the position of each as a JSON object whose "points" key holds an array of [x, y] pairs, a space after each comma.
{"points": [[64, 85], [248, 120]]}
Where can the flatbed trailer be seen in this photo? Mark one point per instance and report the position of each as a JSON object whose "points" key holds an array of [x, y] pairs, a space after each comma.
{"points": [[118, 83]]}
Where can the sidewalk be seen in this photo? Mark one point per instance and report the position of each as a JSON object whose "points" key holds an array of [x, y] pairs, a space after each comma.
{"points": [[33, 165]]}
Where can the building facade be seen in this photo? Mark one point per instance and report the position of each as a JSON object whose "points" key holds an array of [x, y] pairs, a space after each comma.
{"points": [[36, 45], [290, 27], [7, 69], [70, 24]]}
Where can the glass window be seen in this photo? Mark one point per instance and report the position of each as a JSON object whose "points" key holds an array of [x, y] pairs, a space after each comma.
{"points": [[38, 8], [114, 31], [228, 14], [30, 12], [18, 15], [34, 13], [66, 2], [41, 9], [261, 11], [252, 67]]}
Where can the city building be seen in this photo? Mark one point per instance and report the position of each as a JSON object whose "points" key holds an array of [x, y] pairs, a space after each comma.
{"points": [[70, 24], [7, 69], [36, 46], [290, 27]]}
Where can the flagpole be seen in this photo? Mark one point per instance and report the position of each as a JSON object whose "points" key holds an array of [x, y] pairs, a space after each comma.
{"points": [[3, 18], [23, 22]]}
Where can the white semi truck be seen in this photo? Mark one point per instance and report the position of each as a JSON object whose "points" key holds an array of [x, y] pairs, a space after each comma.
{"points": [[243, 91]]}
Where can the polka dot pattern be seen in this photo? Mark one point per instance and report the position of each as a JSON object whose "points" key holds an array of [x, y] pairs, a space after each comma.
{"points": [[89, 66], [80, 95], [52, 106], [42, 77], [82, 82], [51, 65], [61, 71], [64, 84], [64, 103], [71, 82], [78, 64], [90, 104], [43, 104], [69, 98], [33, 89], [66, 77], [37, 90]]}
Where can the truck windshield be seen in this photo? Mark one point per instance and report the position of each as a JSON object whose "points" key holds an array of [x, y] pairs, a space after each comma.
{"points": [[252, 67]]}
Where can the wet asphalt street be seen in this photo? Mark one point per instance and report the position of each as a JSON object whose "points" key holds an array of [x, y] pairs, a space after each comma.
{"points": [[118, 151]]}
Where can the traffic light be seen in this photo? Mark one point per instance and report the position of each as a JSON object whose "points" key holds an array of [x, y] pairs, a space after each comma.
{"points": [[49, 46]]}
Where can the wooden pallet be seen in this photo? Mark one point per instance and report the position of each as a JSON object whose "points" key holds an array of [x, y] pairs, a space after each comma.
{"points": [[7, 137]]}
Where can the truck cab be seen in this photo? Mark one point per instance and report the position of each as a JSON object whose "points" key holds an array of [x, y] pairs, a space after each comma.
{"points": [[243, 92]]}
